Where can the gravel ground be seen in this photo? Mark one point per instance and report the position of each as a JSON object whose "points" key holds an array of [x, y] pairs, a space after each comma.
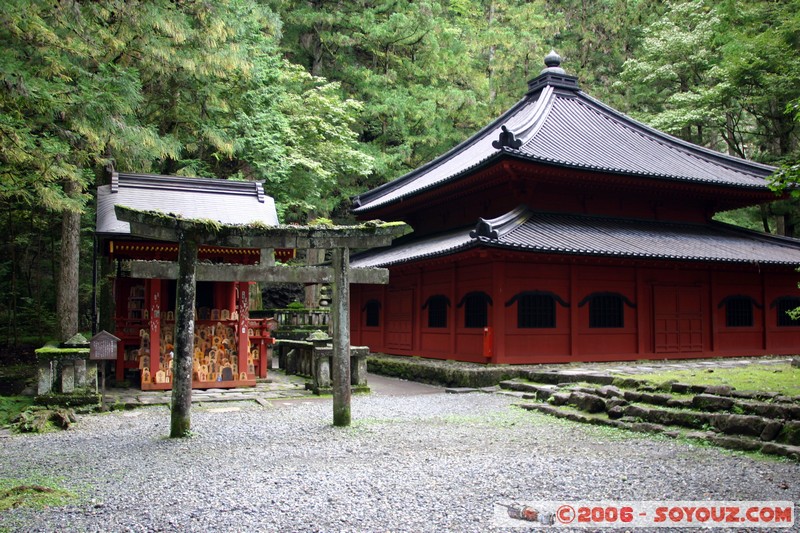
{"points": [[435, 462]]}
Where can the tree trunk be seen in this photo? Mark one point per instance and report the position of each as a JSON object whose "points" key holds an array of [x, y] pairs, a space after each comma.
{"points": [[765, 217], [492, 51], [780, 223], [67, 294], [13, 315], [180, 425], [340, 371]]}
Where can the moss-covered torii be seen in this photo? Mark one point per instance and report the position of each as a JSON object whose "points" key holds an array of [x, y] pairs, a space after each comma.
{"points": [[190, 233]]}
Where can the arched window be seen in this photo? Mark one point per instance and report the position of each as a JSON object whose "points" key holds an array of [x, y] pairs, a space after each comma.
{"points": [[738, 311], [437, 311], [476, 309], [536, 309], [784, 304], [606, 309], [372, 312]]}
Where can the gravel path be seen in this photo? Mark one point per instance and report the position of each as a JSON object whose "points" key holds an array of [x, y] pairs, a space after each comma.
{"points": [[434, 462]]}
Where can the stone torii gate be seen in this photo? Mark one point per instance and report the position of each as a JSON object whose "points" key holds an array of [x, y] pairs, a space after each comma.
{"points": [[190, 233]]}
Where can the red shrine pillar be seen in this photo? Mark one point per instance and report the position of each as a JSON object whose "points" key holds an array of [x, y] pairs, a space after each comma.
{"points": [[243, 308], [155, 327]]}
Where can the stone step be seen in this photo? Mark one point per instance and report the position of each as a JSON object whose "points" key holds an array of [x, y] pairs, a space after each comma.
{"points": [[554, 377], [702, 401], [734, 442], [540, 392]]}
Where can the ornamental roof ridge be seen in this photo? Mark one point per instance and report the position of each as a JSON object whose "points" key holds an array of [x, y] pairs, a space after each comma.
{"points": [[163, 181], [558, 124], [496, 228]]}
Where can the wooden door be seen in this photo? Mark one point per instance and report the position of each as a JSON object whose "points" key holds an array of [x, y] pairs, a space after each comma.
{"points": [[678, 319], [400, 319]]}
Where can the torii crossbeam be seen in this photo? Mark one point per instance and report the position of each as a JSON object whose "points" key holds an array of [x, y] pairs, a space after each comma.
{"points": [[190, 233]]}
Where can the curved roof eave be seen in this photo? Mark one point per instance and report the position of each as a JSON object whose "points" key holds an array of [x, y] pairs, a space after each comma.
{"points": [[516, 154], [525, 230], [721, 158], [488, 243], [409, 176], [533, 114]]}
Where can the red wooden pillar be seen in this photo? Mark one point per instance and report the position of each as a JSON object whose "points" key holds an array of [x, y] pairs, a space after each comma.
{"points": [[417, 317], [452, 319], [119, 374], [243, 308], [714, 323], [643, 326], [574, 312], [764, 323], [231, 301], [498, 322], [154, 293]]}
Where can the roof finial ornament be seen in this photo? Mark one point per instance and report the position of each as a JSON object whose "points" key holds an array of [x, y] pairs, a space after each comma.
{"points": [[506, 140], [484, 229], [552, 63]]}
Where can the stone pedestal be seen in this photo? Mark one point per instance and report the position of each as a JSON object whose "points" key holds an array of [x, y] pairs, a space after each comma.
{"points": [[322, 369], [358, 365], [80, 373], [45, 378], [68, 377]]}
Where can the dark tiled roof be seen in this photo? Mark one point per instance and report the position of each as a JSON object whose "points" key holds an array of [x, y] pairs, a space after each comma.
{"points": [[229, 202], [563, 126], [524, 230]]}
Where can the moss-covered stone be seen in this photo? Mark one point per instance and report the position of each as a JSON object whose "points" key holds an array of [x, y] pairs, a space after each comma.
{"points": [[76, 399], [790, 434], [51, 352], [443, 373]]}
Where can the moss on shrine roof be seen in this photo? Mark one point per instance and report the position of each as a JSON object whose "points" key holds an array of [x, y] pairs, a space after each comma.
{"points": [[51, 351], [215, 226]]}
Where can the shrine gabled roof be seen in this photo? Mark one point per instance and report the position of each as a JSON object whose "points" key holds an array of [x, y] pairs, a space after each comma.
{"points": [[228, 202], [554, 233], [558, 124]]}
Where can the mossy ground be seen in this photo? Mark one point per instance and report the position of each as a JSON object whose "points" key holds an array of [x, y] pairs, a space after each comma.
{"points": [[12, 406], [34, 492], [783, 378]]}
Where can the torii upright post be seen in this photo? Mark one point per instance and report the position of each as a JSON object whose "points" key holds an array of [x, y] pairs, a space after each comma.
{"points": [[340, 373], [180, 422]]}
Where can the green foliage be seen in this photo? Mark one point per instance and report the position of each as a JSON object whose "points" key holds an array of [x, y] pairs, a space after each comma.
{"points": [[428, 73], [12, 406], [725, 75], [322, 100]]}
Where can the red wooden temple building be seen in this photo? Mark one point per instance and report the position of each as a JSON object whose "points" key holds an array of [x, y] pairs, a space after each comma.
{"points": [[566, 231], [229, 347]]}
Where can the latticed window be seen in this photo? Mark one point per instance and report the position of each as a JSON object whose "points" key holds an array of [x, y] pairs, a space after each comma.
{"points": [[536, 311], [437, 311], [786, 304], [476, 310], [373, 314], [738, 312], [606, 311]]}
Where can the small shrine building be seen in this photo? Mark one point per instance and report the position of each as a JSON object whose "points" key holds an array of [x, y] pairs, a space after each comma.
{"points": [[229, 347], [566, 231]]}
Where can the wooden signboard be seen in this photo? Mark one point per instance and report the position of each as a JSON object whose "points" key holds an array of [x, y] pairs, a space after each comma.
{"points": [[103, 347]]}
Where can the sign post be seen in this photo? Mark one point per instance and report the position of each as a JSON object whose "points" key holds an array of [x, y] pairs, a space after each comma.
{"points": [[103, 347]]}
